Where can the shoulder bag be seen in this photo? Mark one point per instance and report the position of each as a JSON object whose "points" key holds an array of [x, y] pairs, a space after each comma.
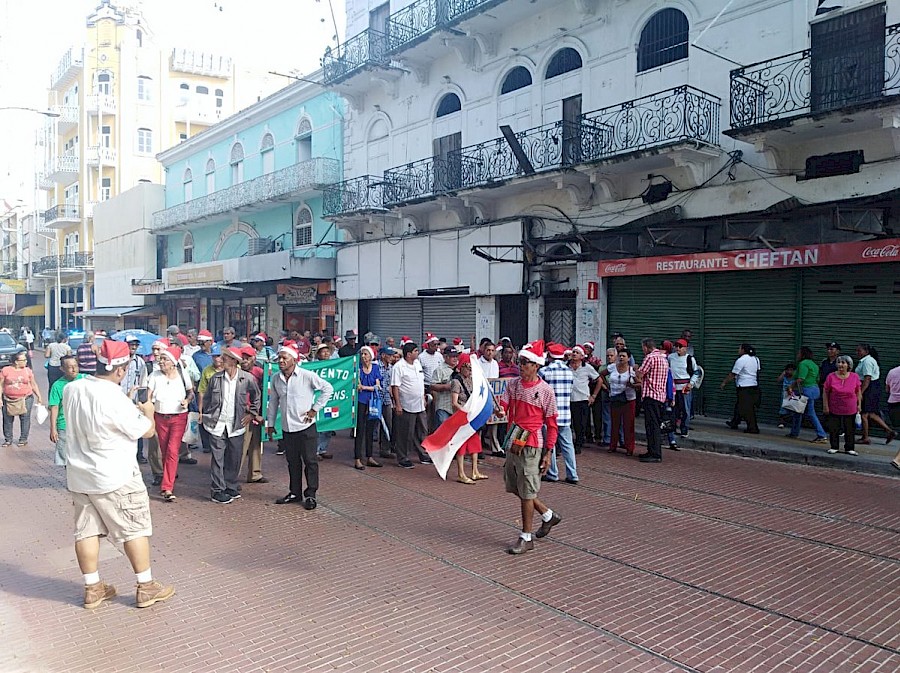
{"points": [[14, 406]]}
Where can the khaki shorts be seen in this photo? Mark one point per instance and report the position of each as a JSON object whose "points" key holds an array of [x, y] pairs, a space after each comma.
{"points": [[522, 473], [122, 515]]}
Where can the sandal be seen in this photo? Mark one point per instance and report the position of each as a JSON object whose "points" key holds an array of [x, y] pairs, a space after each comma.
{"points": [[168, 496], [373, 463], [5, 444], [465, 480], [479, 476], [25, 443]]}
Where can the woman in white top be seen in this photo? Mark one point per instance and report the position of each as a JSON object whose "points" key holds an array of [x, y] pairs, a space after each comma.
{"points": [[622, 396], [745, 375], [171, 391]]}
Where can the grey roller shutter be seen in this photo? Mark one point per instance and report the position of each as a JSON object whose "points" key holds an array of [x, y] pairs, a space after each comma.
{"points": [[449, 317], [850, 305], [396, 318], [759, 308], [660, 307]]}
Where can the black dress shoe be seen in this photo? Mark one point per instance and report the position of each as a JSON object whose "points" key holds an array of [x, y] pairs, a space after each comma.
{"points": [[157, 480], [647, 458], [733, 426], [547, 525], [187, 461], [309, 503], [574, 482], [288, 499]]}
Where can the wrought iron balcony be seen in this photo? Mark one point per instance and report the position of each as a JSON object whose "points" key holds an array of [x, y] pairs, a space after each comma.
{"points": [[9, 269], [791, 86], [416, 21], [664, 118], [64, 212], [280, 185], [369, 48], [74, 261], [356, 196]]}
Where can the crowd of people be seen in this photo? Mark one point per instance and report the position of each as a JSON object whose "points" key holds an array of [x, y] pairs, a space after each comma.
{"points": [[196, 392]]}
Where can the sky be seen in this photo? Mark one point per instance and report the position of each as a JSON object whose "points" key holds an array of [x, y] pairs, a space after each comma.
{"points": [[281, 35]]}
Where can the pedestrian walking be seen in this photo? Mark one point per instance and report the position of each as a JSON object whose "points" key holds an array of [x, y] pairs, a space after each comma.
{"points": [[54, 352], [293, 391], [102, 474], [69, 368], [869, 373], [20, 392], [806, 383], [745, 374]]}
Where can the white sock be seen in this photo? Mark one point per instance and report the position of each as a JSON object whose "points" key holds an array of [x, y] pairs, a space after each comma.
{"points": [[91, 578], [144, 577], [546, 516], [525, 536]]}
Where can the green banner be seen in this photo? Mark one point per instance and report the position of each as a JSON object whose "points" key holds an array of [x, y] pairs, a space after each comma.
{"points": [[340, 412]]}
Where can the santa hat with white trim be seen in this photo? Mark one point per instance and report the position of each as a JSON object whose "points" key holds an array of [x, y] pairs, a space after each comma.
{"points": [[534, 352], [113, 353], [291, 349]]}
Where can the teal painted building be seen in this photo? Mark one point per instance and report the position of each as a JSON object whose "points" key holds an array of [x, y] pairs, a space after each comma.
{"points": [[241, 240]]}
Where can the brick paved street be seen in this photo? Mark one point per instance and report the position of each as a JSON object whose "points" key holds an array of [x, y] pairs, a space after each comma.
{"points": [[703, 563]]}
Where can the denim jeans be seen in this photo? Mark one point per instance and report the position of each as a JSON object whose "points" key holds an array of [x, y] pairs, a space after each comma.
{"points": [[567, 448], [322, 440], [24, 422], [440, 416], [812, 392], [683, 411]]}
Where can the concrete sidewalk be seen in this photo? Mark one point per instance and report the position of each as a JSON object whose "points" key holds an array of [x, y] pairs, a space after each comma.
{"points": [[711, 434]]}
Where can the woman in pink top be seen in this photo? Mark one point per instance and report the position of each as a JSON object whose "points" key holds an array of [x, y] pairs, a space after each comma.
{"points": [[17, 382], [841, 402]]}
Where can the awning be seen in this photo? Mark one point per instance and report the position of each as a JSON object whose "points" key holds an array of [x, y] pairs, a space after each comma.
{"points": [[31, 311], [118, 311]]}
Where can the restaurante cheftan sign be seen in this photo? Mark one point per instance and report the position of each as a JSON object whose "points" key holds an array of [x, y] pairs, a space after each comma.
{"points": [[825, 254]]}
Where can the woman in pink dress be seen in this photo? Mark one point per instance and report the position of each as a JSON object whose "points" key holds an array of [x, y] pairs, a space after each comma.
{"points": [[841, 402]]}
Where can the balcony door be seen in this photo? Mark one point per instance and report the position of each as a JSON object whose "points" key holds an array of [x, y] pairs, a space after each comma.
{"points": [[847, 59], [378, 18], [571, 130], [447, 162]]}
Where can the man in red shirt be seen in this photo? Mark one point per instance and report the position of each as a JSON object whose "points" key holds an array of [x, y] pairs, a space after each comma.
{"points": [[652, 376], [530, 404]]}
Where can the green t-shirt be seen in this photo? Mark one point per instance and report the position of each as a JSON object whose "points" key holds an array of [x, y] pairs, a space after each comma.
{"points": [[55, 399], [808, 373]]}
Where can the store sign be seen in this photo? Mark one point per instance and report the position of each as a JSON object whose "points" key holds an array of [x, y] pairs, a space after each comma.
{"points": [[297, 294], [195, 276], [825, 254]]}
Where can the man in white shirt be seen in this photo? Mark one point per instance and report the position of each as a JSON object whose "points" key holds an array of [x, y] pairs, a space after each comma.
{"points": [[408, 395], [489, 365], [103, 476], [430, 359], [293, 391]]}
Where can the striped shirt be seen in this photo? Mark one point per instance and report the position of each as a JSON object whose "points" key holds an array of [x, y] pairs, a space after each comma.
{"points": [[532, 405], [655, 370], [561, 379]]}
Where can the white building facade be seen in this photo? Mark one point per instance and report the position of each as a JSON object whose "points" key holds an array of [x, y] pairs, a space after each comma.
{"points": [[496, 152]]}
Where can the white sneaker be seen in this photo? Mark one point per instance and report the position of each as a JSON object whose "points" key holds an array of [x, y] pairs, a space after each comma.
{"points": [[832, 450]]}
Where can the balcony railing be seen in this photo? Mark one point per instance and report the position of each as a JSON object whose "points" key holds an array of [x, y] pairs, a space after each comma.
{"points": [[62, 212], [9, 269], [74, 261], [664, 118], [415, 21], [369, 48], [97, 155], [71, 62], [101, 102], [280, 184], [364, 194], [201, 63], [68, 114], [785, 87]]}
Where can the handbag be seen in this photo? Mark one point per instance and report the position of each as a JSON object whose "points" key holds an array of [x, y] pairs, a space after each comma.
{"points": [[795, 404], [618, 399], [375, 405], [15, 406]]}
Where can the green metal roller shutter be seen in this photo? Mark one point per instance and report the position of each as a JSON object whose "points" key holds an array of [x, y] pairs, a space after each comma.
{"points": [[853, 304], [759, 308], [654, 306]]}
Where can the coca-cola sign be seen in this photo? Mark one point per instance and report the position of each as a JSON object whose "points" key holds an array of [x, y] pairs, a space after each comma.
{"points": [[825, 254]]}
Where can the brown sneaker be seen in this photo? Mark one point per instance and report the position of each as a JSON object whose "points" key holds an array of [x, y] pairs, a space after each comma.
{"points": [[94, 594], [149, 593], [521, 546], [547, 525]]}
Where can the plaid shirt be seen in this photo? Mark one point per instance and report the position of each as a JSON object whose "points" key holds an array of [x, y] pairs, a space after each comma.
{"points": [[655, 369], [561, 379]]}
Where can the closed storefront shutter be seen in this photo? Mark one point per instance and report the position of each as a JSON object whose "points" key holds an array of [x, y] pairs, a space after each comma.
{"points": [[759, 308], [654, 306], [449, 317], [396, 318], [851, 305]]}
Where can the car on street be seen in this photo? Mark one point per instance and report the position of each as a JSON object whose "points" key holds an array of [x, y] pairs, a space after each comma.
{"points": [[8, 349]]}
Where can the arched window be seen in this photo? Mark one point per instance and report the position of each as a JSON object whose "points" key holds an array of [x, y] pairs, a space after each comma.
{"points": [[202, 90], [185, 86], [210, 176], [563, 61], [220, 95], [303, 139], [188, 247], [104, 83], [663, 40], [144, 88], [448, 105], [267, 152], [237, 164], [188, 184], [517, 78], [303, 227]]}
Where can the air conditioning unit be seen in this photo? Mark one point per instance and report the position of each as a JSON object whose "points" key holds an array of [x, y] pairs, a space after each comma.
{"points": [[260, 246]]}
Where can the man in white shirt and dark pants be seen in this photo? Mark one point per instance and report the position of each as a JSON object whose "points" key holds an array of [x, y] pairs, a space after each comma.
{"points": [[103, 476], [408, 394], [293, 390]]}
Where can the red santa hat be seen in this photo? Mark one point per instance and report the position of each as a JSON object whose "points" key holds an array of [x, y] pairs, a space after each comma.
{"points": [[205, 335], [579, 350], [589, 344], [405, 340], [291, 349], [465, 359], [429, 337], [556, 351], [248, 351], [457, 341], [534, 352], [262, 336], [113, 353], [173, 353]]}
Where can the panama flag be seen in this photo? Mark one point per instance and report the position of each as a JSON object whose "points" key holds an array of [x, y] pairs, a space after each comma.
{"points": [[444, 442]]}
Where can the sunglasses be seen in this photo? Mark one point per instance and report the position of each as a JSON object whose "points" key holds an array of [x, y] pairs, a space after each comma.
{"points": [[525, 361]]}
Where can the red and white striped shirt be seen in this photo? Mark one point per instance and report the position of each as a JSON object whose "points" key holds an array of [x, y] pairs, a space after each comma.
{"points": [[532, 405]]}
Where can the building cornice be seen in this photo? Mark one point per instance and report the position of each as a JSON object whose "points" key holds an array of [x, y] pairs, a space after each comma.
{"points": [[290, 96]]}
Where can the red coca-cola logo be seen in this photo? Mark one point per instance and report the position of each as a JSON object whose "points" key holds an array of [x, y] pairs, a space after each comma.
{"points": [[615, 268], [883, 251]]}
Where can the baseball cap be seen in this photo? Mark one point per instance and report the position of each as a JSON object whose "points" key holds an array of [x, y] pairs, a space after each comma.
{"points": [[833, 344]]}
